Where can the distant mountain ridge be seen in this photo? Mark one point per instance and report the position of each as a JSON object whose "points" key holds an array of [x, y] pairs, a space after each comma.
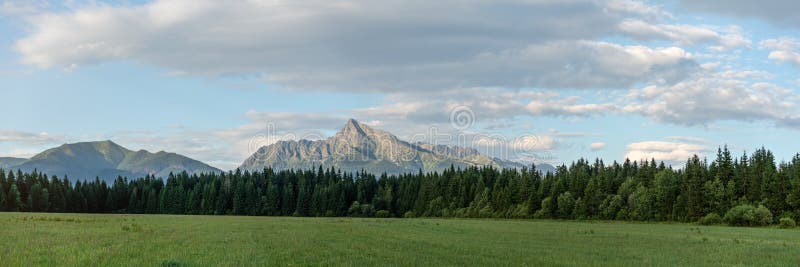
{"points": [[6, 162], [359, 147], [107, 160]]}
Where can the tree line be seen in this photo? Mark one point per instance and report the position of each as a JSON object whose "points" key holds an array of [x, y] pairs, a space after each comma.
{"points": [[631, 190]]}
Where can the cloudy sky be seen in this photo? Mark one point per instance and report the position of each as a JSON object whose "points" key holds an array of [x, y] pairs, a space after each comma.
{"points": [[555, 80]]}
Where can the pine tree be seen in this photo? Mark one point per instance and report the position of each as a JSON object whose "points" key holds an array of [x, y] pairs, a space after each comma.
{"points": [[303, 201], [3, 197], [14, 201], [272, 199], [695, 179], [252, 199], [665, 191], [152, 201]]}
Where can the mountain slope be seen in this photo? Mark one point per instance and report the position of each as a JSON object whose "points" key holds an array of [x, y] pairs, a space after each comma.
{"points": [[358, 147], [107, 160], [6, 162]]}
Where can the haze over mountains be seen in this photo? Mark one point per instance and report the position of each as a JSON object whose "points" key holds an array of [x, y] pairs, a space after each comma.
{"points": [[7, 162], [107, 160], [355, 148], [359, 147]]}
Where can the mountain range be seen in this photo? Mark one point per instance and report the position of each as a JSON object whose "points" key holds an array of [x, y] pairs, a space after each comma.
{"points": [[359, 147], [355, 148], [107, 160]]}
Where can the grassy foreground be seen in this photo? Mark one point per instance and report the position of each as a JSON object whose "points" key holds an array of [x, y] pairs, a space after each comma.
{"points": [[155, 240]]}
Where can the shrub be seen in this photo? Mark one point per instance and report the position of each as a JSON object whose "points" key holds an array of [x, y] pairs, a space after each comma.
{"points": [[566, 204], [747, 215], [486, 212], [367, 210], [547, 209], [741, 215], [711, 219], [762, 216], [461, 213], [360, 210], [787, 222], [409, 214], [382, 214]]}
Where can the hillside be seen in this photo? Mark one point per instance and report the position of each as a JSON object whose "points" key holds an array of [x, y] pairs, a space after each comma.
{"points": [[107, 160], [6, 162]]}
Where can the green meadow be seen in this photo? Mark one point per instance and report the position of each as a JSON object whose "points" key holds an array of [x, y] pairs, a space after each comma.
{"points": [[46, 239]]}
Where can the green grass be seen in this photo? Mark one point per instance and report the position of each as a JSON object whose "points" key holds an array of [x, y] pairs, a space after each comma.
{"points": [[160, 240]]}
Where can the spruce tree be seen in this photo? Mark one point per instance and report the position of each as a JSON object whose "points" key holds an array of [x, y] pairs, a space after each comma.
{"points": [[14, 199]]}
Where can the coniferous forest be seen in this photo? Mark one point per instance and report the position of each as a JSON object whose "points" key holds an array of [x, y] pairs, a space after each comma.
{"points": [[746, 190]]}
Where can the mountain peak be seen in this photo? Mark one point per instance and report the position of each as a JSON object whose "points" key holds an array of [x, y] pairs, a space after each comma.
{"points": [[106, 143], [353, 127], [359, 147]]}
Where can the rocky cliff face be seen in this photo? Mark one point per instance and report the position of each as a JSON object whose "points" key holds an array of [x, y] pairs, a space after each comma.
{"points": [[359, 147]]}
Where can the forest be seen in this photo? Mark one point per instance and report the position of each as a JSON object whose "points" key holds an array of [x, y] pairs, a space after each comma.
{"points": [[746, 190]]}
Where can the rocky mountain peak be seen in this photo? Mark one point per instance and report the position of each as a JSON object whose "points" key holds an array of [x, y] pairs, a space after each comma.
{"points": [[354, 129], [359, 147]]}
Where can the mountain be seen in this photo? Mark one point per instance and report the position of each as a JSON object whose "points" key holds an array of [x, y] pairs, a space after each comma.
{"points": [[358, 147], [6, 162], [107, 160]]}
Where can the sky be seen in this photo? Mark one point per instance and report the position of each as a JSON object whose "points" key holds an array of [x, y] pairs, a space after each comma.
{"points": [[527, 80]]}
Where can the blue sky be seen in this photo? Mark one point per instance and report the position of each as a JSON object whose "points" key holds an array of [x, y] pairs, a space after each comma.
{"points": [[552, 81]]}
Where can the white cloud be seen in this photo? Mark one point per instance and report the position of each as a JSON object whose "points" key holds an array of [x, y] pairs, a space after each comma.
{"points": [[485, 105], [670, 152], [734, 38], [366, 45], [488, 107], [523, 148], [289, 121], [640, 8], [22, 153], [597, 146], [687, 139], [568, 106], [534, 143], [685, 34], [710, 97], [561, 64], [784, 50], [780, 12], [21, 8], [30, 138]]}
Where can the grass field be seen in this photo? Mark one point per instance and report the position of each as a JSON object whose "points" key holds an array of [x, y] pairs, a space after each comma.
{"points": [[155, 240]]}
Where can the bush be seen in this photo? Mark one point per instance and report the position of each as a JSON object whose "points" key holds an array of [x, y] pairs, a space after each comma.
{"points": [[367, 210], [787, 222], [409, 214], [789, 214], [354, 210], [382, 214], [711, 219], [763, 216], [741, 215], [747, 215], [360, 210]]}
